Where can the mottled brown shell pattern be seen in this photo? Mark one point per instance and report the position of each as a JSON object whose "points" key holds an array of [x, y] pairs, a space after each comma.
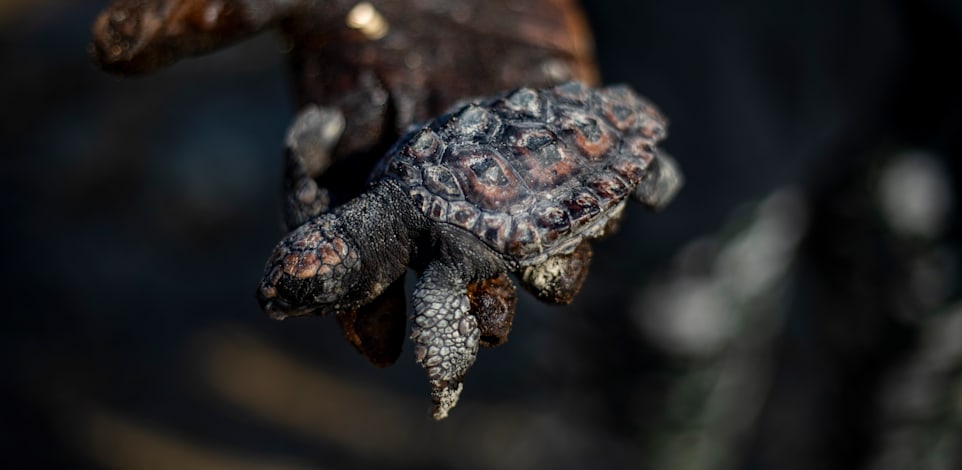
{"points": [[531, 172]]}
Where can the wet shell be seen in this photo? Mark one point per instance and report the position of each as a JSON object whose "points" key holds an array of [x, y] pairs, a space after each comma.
{"points": [[530, 172]]}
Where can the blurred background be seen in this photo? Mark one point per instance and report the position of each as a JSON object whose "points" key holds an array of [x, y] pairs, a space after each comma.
{"points": [[796, 307]]}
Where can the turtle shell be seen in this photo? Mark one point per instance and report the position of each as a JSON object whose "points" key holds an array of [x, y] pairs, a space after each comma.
{"points": [[530, 172]]}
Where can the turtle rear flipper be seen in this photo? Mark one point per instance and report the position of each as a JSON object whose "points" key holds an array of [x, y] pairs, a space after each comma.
{"points": [[660, 185]]}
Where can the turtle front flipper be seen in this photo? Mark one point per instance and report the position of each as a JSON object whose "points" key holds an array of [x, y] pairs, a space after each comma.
{"points": [[311, 139], [377, 329], [559, 278], [139, 36], [661, 183], [445, 334]]}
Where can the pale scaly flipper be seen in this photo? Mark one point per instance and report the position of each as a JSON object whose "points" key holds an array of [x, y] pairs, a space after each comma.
{"points": [[445, 334]]}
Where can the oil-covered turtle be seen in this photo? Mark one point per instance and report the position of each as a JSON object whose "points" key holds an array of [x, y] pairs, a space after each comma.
{"points": [[363, 72], [517, 183]]}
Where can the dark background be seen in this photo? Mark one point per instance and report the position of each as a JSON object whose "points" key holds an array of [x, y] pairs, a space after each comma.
{"points": [[138, 214]]}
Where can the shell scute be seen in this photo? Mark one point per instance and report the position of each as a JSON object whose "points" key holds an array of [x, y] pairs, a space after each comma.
{"points": [[630, 112], [463, 214], [422, 198], [635, 156], [439, 180], [437, 208], [485, 178], [544, 162], [572, 93], [620, 114], [524, 102], [590, 134], [609, 188], [582, 207], [652, 129], [424, 145], [629, 167], [473, 123], [494, 228], [524, 236], [552, 219]]}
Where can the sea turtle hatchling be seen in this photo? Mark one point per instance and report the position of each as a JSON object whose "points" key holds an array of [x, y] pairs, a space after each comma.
{"points": [[516, 183]]}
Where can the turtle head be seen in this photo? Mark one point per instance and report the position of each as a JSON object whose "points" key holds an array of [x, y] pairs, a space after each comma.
{"points": [[316, 269], [340, 261]]}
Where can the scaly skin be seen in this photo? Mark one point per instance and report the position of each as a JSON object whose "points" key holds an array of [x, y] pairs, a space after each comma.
{"points": [[445, 335]]}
